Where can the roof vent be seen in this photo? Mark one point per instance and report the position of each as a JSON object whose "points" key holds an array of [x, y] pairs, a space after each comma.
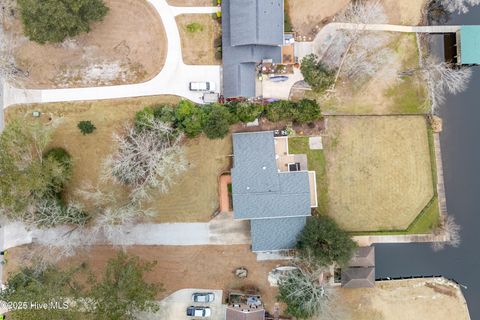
{"points": [[264, 168], [248, 188]]}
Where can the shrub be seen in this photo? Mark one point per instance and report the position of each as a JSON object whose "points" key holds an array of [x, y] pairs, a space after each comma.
{"points": [[165, 113], [54, 20], [217, 121], [323, 239], [280, 110], [190, 118], [316, 73], [194, 27], [307, 111], [86, 127], [246, 111], [62, 157]]}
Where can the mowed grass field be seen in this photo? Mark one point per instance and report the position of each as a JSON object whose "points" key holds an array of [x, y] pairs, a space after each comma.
{"points": [[193, 198], [379, 171]]}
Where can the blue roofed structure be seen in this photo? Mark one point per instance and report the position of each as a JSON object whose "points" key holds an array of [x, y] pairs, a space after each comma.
{"points": [[252, 30], [468, 45], [276, 202]]}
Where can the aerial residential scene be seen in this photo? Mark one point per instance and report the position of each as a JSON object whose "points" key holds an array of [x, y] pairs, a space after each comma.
{"points": [[239, 159]]}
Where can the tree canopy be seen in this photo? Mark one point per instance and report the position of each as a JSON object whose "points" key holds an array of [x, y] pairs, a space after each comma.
{"points": [[54, 20], [326, 242], [122, 292], [316, 73], [31, 175], [217, 122]]}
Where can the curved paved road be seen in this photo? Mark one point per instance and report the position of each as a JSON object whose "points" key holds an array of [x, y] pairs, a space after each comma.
{"points": [[172, 79]]}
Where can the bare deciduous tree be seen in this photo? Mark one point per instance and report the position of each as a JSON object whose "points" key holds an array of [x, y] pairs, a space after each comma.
{"points": [[459, 6], [51, 213], [451, 230], [147, 159], [306, 291], [357, 54], [442, 78]]}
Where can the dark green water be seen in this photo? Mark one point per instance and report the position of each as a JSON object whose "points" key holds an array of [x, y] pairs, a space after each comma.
{"points": [[460, 142]]}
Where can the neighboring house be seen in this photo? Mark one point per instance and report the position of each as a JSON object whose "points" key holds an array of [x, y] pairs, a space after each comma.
{"points": [[252, 31], [360, 272], [272, 189]]}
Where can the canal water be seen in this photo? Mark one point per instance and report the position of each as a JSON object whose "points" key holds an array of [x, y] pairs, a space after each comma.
{"points": [[460, 141]]}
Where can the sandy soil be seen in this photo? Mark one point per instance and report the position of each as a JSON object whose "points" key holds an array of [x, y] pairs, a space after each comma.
{"points": [[193, 198], [199, 47], [129, 46], [391, 156], [425, 299], [192, 3], [180, 267], [307, 16]]}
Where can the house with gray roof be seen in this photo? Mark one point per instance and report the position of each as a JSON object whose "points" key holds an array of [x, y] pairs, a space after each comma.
{"points": [[360, 272], [268, 190], [252, 30]]}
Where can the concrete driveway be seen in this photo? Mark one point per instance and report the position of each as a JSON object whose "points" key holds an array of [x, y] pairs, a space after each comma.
{"points": [[175, 305], [173, 79]]}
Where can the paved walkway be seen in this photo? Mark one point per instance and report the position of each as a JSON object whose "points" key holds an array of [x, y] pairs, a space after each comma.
{"points": [[222, 230], [173, 79]]}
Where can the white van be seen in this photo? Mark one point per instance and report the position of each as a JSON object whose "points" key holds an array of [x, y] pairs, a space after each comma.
{"points": [[202, 86]]}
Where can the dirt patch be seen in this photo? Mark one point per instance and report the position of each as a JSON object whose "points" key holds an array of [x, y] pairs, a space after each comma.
{"points": [[199, 45], [405, 299], [192, 3], [180, 267], [407, 12], [388, 154], [129, 46], [307, 19]]}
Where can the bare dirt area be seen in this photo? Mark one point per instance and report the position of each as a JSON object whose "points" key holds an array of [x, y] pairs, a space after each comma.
{"points": [[308, 17], [198, 47], [389, 154], [128, 46], [406, 12], [179, 267], [426, 299]]}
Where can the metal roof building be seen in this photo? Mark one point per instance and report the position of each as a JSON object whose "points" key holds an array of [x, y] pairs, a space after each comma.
{"points": [[468, 39], [276, 203], [252, 30]]}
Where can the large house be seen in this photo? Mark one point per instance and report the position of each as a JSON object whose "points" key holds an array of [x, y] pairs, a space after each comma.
{"points": [[272, 189], [252, 31]]}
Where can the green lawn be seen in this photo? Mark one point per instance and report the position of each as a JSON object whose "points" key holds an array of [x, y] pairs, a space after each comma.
{"points": [[316, 162]]}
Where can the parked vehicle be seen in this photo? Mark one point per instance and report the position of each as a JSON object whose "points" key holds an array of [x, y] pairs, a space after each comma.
{"points": [[202, 86], [203, 297], [202, 312]]}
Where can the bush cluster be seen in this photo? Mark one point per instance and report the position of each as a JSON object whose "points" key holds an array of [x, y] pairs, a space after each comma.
{"points": [[214, 120]]}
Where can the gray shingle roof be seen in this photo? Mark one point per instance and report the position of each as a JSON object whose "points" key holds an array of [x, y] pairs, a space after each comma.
{"points": [[358, 277], [277, 203], [276, 234], [259, 190], [256, 22], [250, 33]]}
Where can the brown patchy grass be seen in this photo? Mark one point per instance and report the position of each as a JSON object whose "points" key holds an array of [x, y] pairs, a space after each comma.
{"points": [[179, 267], [193, 198], [199, 47], [379, 171], [426, 299], [130, 36]]}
